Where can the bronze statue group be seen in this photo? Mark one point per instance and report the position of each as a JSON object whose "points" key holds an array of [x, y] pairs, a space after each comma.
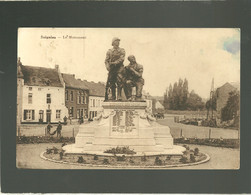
{"points": [[120, 76]]}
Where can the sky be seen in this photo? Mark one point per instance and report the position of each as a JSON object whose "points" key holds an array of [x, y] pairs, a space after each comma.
{"points": [[167, 54]]}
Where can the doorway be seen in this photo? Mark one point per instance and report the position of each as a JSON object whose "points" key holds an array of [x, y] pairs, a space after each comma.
{"points": [[48, 116]]}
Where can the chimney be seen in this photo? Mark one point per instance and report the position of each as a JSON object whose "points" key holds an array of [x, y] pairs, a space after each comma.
{"points": [[60, 75], [19, 61], [19, 70]]}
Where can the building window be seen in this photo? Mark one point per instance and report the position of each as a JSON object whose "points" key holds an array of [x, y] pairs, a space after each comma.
{"points": [[39, 89], [58, 113], [86, 113], [71, 111], [29, 114], [30, 98], [30, 88], [72, 96], [78, 113], [79, 97], [48, 98], [94, 103], [83, 99], [66, 95], [41, 114], [81, 113]]}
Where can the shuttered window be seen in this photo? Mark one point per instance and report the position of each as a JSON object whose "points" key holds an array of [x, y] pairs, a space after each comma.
{"points": [[29, 114]]}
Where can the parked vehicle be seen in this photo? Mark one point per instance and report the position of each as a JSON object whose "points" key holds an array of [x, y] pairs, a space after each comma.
{"points": [[159, 115]]}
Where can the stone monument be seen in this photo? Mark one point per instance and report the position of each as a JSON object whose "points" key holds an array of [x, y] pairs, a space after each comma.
{"points": [[124, 123]]}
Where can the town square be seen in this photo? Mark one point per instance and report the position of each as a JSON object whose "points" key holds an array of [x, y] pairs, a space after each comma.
{"points": [[128, 98]]}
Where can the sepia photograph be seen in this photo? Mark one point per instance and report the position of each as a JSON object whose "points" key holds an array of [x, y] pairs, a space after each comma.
{"points": [[128, 98]]}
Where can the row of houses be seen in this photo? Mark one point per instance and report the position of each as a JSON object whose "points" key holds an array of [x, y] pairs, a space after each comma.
{"points": [[47, 95]]}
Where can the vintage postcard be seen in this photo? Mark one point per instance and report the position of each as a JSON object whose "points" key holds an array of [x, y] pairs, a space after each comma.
{"points": [[128, 98]]}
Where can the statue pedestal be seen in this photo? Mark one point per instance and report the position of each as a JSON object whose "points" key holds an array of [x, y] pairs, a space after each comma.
{"points": [[124, 124]]}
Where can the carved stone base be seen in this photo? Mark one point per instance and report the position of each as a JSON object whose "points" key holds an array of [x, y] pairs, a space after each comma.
{"points": [[124, 124]]}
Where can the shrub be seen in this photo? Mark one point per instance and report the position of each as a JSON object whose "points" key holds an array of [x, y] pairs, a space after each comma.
{"points": [[121, 158], [158, 161], [55, 150], [168, 157], [61, 155], [185, 152], [106, 161], [81, 160], [183, 159], [228, 143], [186, 146], [95, 157], [48, 151], [120, 150], [143, 158], [61, 139], [192, 158], [196, 151], [43, 139], [131, 161]]}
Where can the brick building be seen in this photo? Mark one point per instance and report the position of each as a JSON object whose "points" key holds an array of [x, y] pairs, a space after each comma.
{"points": [[222, 94], [76, 96], [96, 98]]}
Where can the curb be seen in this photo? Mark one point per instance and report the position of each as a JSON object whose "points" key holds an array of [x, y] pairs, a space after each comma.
{"points": [[127, 167]]}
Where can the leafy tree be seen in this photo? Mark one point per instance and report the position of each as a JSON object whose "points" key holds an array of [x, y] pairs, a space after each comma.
{"points": [[166, 101], [184, 94], [170, 97], [194, 101], [178, 97], [231, 110]]}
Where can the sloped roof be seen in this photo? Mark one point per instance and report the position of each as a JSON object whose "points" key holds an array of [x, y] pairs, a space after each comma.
{"points": [[95, 89], [72, 82], [236, 85], [229, 86], [40, 76]]}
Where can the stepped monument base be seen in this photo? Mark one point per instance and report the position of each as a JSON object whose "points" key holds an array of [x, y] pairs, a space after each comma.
{"points": [[124, 124]]}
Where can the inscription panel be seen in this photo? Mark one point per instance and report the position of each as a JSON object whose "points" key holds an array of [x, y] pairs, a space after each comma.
{"points": [[124, 122]]}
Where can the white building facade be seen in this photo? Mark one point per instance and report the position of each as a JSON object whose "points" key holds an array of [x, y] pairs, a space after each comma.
{"points": [[43, 104], [95, 106], [42, 96]]}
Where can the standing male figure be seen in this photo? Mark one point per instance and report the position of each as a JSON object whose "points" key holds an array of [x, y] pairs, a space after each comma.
{"points": [[114, 64], [59, 128], [134, 78], [49, 126]]}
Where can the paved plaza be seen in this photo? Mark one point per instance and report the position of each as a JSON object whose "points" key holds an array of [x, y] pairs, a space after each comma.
{"points": [[28, 157]]}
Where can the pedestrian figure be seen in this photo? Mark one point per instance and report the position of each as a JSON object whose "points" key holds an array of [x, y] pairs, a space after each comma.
{"points": [[65, 120], [59, 128], [49, 126]]}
